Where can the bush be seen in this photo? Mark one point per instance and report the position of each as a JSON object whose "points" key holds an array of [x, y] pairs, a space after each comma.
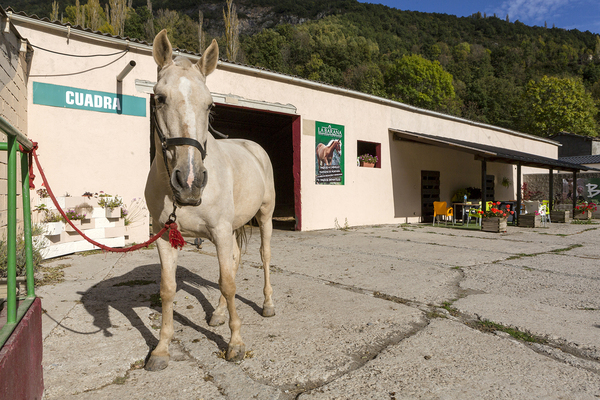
{"points": [[37, 249]]}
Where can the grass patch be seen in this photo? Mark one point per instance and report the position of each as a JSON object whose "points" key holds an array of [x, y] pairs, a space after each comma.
{"points": [[346, 227], [136, 282], [51, 275], [434, 314], [491, 327], [120, 380], [583, 222], [571, 247], [90, 252], [388, 297], [448, 307]]}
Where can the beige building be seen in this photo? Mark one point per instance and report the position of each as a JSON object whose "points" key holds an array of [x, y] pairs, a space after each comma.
{"points": [[94, 134], [15, 61]]}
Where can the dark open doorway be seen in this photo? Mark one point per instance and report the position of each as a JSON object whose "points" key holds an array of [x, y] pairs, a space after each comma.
{"points": [[275, 133]]}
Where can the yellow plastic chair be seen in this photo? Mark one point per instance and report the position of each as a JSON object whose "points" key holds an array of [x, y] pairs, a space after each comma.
{"points": [[440, 209]]}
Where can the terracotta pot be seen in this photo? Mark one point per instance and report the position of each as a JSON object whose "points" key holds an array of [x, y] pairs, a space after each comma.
{"points": [[367, 165]]}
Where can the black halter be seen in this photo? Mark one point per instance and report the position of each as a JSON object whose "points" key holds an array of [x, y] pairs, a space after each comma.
{"points": [[178, 141]]}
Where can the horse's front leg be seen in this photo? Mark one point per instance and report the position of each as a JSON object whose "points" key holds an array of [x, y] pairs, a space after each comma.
{"points": [[159, 359], [224, 242], [219, 316]]}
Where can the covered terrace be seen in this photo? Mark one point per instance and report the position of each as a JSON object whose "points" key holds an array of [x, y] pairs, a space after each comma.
{"points": [[487, 153]]}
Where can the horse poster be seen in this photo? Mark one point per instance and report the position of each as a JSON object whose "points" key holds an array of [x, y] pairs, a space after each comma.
{"points": [[329, 154]]}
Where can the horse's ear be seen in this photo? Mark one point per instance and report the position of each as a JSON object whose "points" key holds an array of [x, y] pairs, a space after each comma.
{"points": [[208, 62], [162, 49]]}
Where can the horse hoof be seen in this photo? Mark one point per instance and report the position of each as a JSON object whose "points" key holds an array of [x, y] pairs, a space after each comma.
{"points": [[217, 319], [235, 353], [156, 363], [268, 311]]}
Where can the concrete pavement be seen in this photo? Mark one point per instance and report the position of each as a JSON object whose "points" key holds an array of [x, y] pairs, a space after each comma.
{"points": [[387, 312]]}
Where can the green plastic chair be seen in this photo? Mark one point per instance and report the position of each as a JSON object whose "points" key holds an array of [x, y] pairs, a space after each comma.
{"points": [[474, 213]]}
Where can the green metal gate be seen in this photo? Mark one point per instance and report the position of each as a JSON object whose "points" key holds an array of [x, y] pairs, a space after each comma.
{"points": [[16, 310]]}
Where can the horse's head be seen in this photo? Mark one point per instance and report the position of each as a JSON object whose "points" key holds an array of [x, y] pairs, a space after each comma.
{"points": [[182, 104]]}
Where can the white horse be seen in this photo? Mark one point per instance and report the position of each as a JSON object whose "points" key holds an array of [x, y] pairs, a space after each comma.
{"points": [[214, 186]]}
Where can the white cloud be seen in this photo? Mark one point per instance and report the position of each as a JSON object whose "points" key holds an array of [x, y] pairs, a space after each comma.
{"points": [[532, 11]]}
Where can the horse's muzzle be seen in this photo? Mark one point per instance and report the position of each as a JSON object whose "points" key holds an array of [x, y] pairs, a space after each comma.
{"points": [[188, 188]]}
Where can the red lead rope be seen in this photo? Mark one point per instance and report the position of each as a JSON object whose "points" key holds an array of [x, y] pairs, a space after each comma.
{"points": [[175, 237]]}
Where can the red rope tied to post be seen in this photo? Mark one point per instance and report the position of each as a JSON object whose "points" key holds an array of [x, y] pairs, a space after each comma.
{"points": [[30, 154], [175, 238]]}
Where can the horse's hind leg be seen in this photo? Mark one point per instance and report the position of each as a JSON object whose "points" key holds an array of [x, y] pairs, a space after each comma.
{"points": [[159, 358], [265, 222], [219, 316]]}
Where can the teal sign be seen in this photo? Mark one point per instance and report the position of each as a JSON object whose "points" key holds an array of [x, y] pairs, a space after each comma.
{"points": [[47, 94]]}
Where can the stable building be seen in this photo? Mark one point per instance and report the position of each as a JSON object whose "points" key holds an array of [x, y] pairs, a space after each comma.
{"points": [[89, 96]]}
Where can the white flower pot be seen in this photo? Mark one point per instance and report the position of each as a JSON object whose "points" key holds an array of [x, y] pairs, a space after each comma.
{"points": [[114, 213]]}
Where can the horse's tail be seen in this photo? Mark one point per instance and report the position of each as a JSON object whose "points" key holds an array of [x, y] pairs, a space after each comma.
{"points": [[241, 237]]}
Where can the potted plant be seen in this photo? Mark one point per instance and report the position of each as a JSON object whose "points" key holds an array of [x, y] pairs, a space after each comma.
{"points": [[53, 223], [75, 217], [584, 209], [494, 219], [531, 220], [367, 160], [112, 205]]}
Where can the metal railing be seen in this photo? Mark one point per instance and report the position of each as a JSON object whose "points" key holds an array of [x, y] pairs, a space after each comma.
{"points": [[16, 310]]}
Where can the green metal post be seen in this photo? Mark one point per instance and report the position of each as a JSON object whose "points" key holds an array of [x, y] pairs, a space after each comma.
{"points": [[11, 234], [27, 225]]}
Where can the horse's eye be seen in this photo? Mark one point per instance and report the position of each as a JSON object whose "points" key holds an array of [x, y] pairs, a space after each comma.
{"points": [[160, 99]]}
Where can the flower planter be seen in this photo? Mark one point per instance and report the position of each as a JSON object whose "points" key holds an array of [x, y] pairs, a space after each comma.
{"points": [[530, 221], [367, 165], [560, 216], [494, 224], [113, 213], [586, 214], [53, 228]]}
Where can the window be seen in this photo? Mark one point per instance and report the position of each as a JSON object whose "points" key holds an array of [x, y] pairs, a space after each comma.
{"points": [[371, 148]]}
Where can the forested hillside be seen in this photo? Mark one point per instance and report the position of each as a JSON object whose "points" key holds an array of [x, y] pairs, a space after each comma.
{"points": [[533, 79]]}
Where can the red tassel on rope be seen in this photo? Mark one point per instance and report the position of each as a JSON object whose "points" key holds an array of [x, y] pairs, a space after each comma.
{"points": [[175, 237]]}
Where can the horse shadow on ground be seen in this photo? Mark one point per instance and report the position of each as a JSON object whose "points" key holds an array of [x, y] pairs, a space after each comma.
{"points": [[141, 287]]}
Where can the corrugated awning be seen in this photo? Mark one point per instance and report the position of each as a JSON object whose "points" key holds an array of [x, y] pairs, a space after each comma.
{"points": [[490, 153]]}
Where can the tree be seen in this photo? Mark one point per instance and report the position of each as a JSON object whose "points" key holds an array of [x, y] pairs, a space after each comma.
{"points": [[54, 15], [232, 31], [422, 83], [118, 14], [182, 31], [553, 104]]}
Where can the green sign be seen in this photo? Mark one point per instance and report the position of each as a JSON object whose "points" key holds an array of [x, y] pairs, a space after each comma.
{"points": [[47, 94], [329, 154]]}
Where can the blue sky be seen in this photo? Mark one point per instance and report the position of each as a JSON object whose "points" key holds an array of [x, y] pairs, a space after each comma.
{"points": [[583, 15]]}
